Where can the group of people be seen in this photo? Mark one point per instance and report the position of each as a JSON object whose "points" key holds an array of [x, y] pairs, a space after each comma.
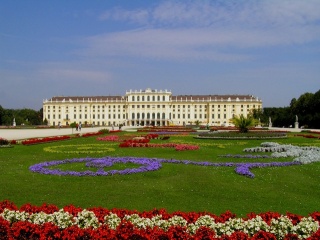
{"points": [[78, 126]]}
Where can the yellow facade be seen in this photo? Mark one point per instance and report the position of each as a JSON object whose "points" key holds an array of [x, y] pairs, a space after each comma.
{"points": [[148, 107]]}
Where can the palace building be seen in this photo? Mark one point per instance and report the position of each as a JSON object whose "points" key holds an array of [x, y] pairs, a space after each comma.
{"points": [[148, 107]]}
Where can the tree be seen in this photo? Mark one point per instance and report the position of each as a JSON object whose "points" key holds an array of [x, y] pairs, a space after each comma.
{"points": [[73, 125], [243, 123], [1, 114]]}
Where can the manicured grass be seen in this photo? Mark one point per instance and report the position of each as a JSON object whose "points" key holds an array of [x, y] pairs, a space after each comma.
{"points": [[174, 187]]}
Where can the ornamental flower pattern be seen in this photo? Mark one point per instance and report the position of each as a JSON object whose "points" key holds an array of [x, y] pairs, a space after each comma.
{"points": [[304, 155]]}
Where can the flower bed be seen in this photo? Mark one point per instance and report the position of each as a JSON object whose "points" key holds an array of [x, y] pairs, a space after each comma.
{"points": [[44, 140], [111, 138], [147, 165], [238, 135], [70, 222], [307, 136], [166, 129], [142, 143], [91, 134], [83, 148], [303, 155]]}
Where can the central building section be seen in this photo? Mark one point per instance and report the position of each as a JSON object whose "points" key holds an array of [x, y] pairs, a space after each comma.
{"points": [[148, 107]]}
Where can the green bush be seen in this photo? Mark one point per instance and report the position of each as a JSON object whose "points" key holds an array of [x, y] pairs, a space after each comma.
{"points": [[104, 131]]}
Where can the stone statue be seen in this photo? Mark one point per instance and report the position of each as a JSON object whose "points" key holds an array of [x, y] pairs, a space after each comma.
{"points": [[270, 123], [296, 124]]}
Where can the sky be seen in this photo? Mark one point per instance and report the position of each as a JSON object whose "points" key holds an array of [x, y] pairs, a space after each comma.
{"points": [[266, 48]]}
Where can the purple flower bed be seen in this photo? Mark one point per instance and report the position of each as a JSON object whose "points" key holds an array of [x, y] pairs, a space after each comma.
{"points": [[147, 164], [99, 163], [244, 156]]}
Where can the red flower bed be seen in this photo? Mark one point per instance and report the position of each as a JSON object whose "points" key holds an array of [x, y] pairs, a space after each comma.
{"points": [[166, 129], [44, 140], [143, 143], [91, 134], [125, 229], [306, 136]]}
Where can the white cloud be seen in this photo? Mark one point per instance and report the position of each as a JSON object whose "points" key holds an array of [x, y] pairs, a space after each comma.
{"points": [[136, 16], [193, 30], [230, 13]]}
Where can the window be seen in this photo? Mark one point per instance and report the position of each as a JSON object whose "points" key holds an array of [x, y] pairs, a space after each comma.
{"points": [[132, 98], [163, 98]]}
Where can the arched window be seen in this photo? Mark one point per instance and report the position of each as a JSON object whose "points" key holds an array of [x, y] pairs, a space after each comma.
{"points": [[132, 98], [153, 115], [158, 115], [132, 115], [163, 115], [142, 98], [143, 116], [138, 98], [148, 98], [148, 115], [138, 115]]}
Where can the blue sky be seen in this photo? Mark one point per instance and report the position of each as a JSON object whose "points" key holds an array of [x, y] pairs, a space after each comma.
{"points": [[270, 49]]}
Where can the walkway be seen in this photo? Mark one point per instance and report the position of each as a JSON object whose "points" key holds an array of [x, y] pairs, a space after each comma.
{"points": [[18, 134]]}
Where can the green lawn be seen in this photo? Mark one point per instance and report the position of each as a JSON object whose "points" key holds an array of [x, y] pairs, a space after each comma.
{"points": [[174, 187]]}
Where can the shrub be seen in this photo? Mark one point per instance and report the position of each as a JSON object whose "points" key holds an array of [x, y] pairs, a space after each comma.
{"points": [[104, 131]]}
